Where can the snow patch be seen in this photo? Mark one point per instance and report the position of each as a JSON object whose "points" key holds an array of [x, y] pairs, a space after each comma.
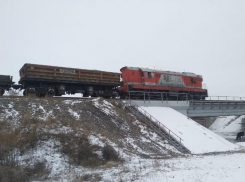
{"points": [[74, 114], [96, 140], [14, 92], [105, 107], [47, 151]]}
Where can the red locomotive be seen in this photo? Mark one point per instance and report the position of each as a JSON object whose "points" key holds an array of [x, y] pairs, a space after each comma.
{"points": [[168, 84]]}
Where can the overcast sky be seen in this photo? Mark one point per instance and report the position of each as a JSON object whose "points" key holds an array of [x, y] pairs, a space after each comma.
{"points": [[206, 37]]}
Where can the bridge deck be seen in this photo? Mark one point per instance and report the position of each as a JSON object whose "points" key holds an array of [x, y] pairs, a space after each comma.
{"points": [[202, 108]]}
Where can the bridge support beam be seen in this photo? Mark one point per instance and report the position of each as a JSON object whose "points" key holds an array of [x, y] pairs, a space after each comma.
{"points": [[200, 108]]}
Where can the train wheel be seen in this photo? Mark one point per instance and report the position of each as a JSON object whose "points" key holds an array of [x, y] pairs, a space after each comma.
{"points": [[30, 91], [50, 92]]}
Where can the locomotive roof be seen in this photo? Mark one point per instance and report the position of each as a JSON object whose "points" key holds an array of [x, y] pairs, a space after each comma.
{"points": [[166, 72]]}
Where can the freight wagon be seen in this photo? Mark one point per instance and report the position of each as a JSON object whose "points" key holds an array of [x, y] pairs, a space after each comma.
{"points": [[5, 83], [46, 80]]}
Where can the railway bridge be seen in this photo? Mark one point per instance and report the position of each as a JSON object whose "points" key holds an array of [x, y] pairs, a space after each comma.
{"points": [[211, 106], [175, 128]]}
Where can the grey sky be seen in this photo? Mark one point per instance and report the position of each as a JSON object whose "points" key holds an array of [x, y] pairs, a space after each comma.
{"points": [[206, 37]]}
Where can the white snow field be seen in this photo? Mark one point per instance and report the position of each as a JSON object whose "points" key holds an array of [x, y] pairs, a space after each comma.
{"points": [[197, 138], [214, 168]]}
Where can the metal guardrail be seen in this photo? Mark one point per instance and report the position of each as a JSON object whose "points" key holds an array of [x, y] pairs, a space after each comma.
{"points": [[225, 98], [129, 102], [165, 96]]}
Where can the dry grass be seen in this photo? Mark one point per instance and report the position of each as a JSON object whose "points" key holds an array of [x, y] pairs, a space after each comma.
{"points": [[88, 177], [79, 150], [12, 174], [23, 174], [39, 171], [8, 143], [14, 142]]}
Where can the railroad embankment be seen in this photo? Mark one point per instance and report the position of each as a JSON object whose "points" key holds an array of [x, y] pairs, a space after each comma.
{"points": [[73, 140]]}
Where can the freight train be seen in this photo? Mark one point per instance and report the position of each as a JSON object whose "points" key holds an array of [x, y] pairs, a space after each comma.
{"points": [[138, 83]]}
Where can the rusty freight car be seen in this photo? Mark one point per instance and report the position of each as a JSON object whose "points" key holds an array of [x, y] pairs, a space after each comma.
{"points": [[44, 80], [5, 83]]}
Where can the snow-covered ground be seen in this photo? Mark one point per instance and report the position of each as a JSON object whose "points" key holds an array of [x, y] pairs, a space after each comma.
{"points": [[216, 168], [197, 138]]}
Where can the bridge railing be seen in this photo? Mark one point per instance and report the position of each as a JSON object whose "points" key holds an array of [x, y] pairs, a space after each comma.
{"points": [[166, 96], [224, 98], [131, 103], [163, 96]]}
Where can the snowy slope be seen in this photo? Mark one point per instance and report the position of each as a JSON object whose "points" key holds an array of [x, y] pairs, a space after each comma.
{"points": [[196, 138], [227, 124]]}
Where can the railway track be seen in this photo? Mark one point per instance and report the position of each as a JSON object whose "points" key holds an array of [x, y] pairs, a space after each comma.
{"points": [[35, 97], [60, 98]]}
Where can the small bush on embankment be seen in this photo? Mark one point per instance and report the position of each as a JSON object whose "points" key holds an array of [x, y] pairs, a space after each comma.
{"points": [[79, 150], [110, 154], [39, 171], [12, 174]]}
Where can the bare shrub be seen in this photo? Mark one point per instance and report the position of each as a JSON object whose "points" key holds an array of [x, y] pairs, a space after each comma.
{"points": [[29, 138], [38, 171], [117, 104], [88, 177], [157, 163], [8, 144], [120, 105], [16, 142], [79, 150], [12, 174], [22, 174], [109, 153], [50, 122]]}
